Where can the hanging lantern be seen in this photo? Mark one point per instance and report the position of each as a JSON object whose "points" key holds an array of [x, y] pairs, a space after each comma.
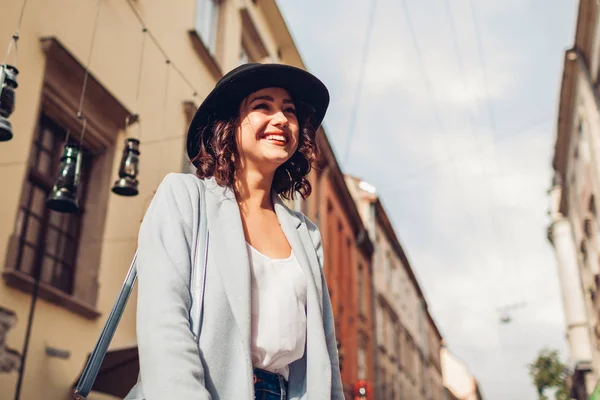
{"points": [[127, 184], [63, 197], [8, 84]]}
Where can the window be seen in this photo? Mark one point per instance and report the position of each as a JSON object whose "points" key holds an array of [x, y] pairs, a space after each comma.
{"points": [[380, 323], [415, 360], [387, 266], [361, 290], [396, 282], [583, 251], [57, 242], [207, 18], [48, 239], [583, 146], [244, 59], [362, 363], [398, 344], [253, 45], [587, 228], [389, 343]]}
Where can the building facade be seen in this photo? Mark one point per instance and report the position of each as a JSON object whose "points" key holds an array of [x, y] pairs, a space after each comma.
{"points": [[435, 381], [81, 259], [407, 338], [574, 229], [458, 381], [348, 254]]}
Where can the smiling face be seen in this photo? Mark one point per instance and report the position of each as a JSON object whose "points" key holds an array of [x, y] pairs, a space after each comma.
{"points": [[268, 133]]}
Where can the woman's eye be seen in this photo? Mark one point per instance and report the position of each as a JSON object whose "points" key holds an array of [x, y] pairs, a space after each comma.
{"points": [[261, 106], [290, 110]]}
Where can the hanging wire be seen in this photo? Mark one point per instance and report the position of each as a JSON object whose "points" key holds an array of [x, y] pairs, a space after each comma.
{"points": [[89, 60], [83, 130], [79, 159], [492, 120], [493, 225], [141, 64], [15, 37], [158, 46], [462, 75], [481, 55], [468, 152], [79, 115], [13, 40], [67, 136], [194, 96], [361, 78], [164, 116], [136, 116], [166, 96], [428, 86]]}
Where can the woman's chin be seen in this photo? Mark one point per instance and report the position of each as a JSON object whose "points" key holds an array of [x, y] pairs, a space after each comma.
{"points": [[276, 157]]}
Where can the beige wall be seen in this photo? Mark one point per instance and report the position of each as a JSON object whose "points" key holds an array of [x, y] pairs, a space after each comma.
{"points": [[583, 171], [114, 63], [434, 371], [400, 294], [457, 377]]}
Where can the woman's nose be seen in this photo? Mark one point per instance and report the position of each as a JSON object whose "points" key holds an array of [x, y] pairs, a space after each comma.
{"points": [[280, 119]]}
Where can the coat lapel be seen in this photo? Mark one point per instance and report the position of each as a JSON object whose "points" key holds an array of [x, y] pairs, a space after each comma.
{"points": [[228, 253], [318, 364], [298, 238]]}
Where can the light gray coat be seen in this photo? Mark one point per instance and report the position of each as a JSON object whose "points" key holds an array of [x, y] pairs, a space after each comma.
{"points": [[172, 364]]}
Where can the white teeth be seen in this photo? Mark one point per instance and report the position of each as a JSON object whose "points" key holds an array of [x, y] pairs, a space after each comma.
{"points": [[279, 138]]}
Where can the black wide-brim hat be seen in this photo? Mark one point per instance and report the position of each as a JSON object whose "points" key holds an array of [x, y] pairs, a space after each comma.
{"points": [[231, 89]]}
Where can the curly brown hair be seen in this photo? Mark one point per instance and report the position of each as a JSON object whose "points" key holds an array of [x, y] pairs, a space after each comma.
{"points": [[218, 154]]}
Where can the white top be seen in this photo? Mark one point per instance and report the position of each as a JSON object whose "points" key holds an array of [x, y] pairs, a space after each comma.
{"points": [[278, 293]]}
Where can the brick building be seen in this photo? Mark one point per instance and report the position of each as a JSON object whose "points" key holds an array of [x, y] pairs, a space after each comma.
{"points": [[407, 356], [348, 253]]}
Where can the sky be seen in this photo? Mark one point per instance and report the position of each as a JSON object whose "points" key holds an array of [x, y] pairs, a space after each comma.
{"points": [[448, 107]]}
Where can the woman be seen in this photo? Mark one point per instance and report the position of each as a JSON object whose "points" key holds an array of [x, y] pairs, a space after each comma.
{"points": [[267, 326]]}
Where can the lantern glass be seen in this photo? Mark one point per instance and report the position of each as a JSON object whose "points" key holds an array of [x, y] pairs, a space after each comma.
{"points": [[127, 184], [8, 84], [63, 197]]}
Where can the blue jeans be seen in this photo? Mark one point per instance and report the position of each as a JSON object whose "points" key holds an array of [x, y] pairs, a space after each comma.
{"points": [[269, 386]]}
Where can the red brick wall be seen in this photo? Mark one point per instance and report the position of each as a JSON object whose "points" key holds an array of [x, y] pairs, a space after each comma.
{"points": [[342, 259]]}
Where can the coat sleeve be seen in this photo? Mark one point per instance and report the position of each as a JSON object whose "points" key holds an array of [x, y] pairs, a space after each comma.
{"points": [[337, 391], [170, 364]]}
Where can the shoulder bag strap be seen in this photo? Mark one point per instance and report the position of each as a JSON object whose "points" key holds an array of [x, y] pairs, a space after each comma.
{"points": [[92, 366], [90, 371]]}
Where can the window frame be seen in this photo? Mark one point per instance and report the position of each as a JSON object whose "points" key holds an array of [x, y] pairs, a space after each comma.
{"points": [[208, 34], [252, 42], [59, 98], [37, 180]]}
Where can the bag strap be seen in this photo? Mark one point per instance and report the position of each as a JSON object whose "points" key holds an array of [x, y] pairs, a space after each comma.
{"points": [[90, 371], [92, 366]]}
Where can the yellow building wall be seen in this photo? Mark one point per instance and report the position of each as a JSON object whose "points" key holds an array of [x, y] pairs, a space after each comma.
{"points": [[114, 62]]}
